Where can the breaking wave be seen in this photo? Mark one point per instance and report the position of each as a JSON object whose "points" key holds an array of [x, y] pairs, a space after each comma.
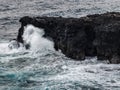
{"points": [[47, 69], [33, 36]]}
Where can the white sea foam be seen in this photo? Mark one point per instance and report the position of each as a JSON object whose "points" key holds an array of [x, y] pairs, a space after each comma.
{"points": [[15, 69], [8, 48], [34, 37]]}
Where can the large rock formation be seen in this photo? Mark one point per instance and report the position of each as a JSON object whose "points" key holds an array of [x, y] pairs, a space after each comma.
{"points": [[93, 35]]}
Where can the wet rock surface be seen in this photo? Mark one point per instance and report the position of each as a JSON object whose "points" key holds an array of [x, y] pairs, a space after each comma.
{"points": [[93, 35]]}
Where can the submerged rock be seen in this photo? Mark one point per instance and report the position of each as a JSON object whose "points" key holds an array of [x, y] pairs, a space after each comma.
{"points": [[93, 35], [14, 44]]}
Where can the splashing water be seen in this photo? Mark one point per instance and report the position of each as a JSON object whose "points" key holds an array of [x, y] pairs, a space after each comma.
{"points": [[47, 69], [10, 47], [22, 69], [34, 37]]}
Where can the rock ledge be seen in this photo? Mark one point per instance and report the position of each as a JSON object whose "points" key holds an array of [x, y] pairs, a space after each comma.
{"points": [[93, 35]]}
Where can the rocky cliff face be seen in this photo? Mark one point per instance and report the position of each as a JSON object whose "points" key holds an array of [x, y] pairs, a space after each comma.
{"points": [[93, 35]]}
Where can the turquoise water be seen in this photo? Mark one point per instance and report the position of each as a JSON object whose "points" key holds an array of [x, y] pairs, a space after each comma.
{"points": [[22, 69], [51, 70]]}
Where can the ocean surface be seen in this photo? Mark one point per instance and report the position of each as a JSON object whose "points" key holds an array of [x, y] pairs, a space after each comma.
{"points": [[41, 67]]}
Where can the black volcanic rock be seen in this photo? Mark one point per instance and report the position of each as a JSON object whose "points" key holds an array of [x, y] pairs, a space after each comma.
{"points": [[93, 35]]}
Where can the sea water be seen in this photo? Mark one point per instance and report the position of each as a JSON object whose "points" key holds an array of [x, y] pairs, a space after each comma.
{"points": [[41, 67]]}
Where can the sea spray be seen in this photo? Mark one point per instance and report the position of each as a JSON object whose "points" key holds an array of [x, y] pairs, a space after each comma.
{"points": [[33, 37]]}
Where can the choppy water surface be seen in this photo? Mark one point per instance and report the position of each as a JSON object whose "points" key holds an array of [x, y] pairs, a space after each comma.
{"points": [[47, 69]]}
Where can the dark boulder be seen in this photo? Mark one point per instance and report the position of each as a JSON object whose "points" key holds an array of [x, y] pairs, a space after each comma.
{"points": [[93, 35]]}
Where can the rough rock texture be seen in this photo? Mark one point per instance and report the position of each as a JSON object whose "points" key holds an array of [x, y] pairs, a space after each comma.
{"points": [[93, 35]]}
